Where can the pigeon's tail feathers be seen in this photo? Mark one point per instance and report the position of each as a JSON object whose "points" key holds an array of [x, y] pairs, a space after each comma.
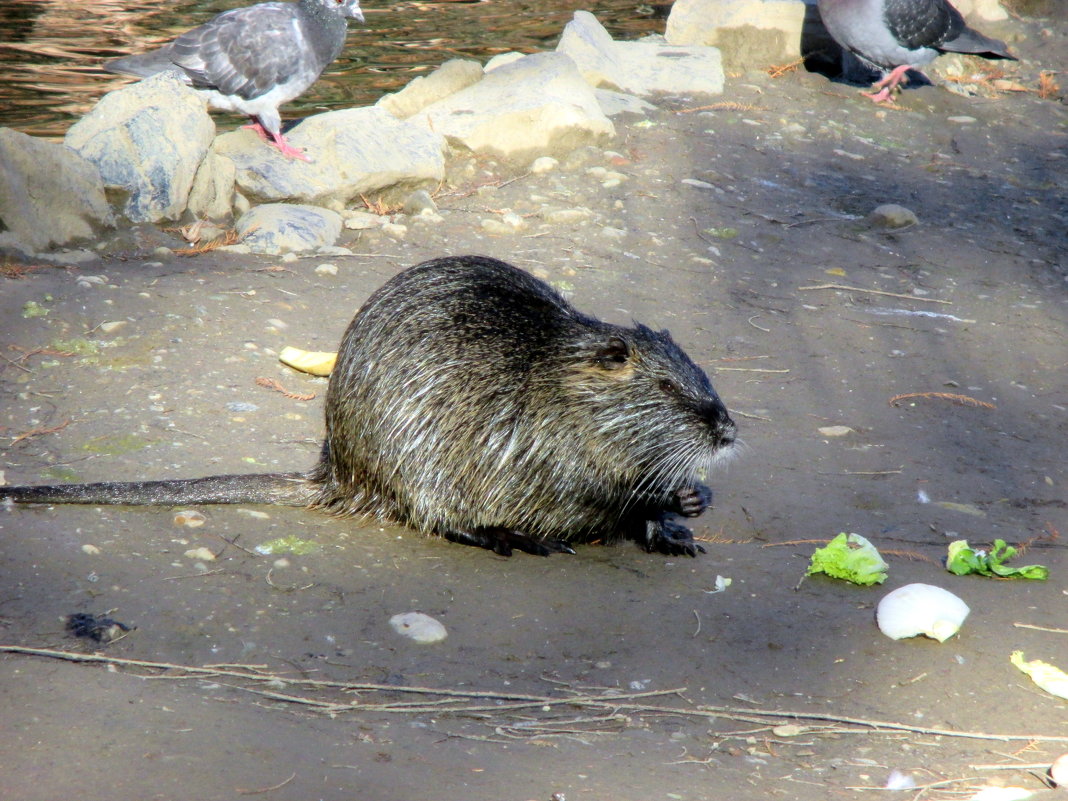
{"points": [[286, 489], [975, 43], [145, 65]]}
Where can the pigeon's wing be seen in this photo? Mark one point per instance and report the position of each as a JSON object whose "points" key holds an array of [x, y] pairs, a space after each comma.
{"points": [[144, 65], [922, 23], [246, 52]]}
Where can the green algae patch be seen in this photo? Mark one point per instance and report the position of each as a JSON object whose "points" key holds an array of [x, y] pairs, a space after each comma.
{"points": [[81, 347], [116, 444], [291, 544], [33, 309], [61, 474]]}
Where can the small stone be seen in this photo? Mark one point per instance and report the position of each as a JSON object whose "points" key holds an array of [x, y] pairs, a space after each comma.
{"points": [[613, 233], [962, 120], [203, 554], [360, 220], [111, 326], [395, 230], [496, 227], [326, 269], [419, 202], [92, 550], [567, 216], [835, 431], [162, 251], [419, 627], [544, 164], [190, 518], [890, 215]]}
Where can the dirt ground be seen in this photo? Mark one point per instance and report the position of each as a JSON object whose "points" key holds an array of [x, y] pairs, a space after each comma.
{"points": [[734, 265]]}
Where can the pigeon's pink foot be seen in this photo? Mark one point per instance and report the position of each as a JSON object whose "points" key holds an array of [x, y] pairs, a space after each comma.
{"points": [[278, 141], [288, 150], [888, 84], [261, 132]]}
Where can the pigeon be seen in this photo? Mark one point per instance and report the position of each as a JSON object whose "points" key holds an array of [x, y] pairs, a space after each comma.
{"points": [[252, 60], [897, 35]]}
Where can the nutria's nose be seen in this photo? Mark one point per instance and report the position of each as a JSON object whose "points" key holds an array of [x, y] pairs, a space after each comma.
{"points": [[720, 420]]}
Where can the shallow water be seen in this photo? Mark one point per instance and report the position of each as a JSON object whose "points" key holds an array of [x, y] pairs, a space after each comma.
{"points": [[52, 49]]}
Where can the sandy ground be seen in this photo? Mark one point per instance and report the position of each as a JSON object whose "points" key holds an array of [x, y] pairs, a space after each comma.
{"points": [[979, 307]]}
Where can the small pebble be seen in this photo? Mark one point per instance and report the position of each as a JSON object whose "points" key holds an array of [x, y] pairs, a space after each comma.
{"points": [[419, 627], [189, 518], [544, 164], [567, 216], [201, 553], [890, 215], [359, 220], [419, 202], [395, 230], [326, 269], [92, 550]]}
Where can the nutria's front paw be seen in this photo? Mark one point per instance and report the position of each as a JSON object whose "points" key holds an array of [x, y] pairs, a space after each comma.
{"points": [[691, 501], [670, 538]]}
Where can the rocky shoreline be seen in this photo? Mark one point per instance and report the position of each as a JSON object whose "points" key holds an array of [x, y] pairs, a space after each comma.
{"points": [[149, 153]]}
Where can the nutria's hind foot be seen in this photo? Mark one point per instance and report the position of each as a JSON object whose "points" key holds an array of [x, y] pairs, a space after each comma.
{"points": [[691, 501], [671, 538], [502, 540]]}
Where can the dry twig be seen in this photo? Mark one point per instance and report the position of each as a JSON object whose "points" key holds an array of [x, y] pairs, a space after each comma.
{"points": [[608, 706], [963, 400], [38, 432], [271, 383], [845, 288]]}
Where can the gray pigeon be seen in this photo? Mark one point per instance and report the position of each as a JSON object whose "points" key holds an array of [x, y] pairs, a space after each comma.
{"points": [[896, 35], [252, 60]]}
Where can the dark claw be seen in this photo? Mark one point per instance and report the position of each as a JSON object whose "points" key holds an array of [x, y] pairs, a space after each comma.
{"points": [[691, 501], [502, 540], [670, 538]]}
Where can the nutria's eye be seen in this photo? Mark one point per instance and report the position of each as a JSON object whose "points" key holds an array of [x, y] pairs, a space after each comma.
{"points": [[669, 386]]}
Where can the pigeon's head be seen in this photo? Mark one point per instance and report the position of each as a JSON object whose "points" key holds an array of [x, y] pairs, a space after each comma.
{"points": [[348, 8]]}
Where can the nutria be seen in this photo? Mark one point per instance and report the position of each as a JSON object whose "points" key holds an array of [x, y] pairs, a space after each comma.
{"points": [[471, 400]]}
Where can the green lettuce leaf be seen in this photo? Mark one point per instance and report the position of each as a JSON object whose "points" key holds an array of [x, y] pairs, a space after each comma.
{"points": [[963, 560], [850, 557]]}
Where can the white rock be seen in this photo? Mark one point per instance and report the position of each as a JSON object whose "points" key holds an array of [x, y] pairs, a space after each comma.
{"points": [[277, 228], [212, 194], [147, 139], [49, 195], [536, 104], [419, 627], [640, 68], [450, 77], [501, 59], [360, 220], [750, 33], [354, 152]]}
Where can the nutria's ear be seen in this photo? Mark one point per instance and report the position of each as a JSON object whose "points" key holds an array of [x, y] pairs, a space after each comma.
{"points": [[613, 354]]}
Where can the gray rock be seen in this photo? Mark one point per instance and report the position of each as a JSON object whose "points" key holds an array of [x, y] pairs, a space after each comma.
{"points": [[49, 195], [212, 193], [354, 151], [521, 110], [449, 78], [276, 228], [750, 33], [615, 103], [641, 68], [419, 202], [147, 139]]}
